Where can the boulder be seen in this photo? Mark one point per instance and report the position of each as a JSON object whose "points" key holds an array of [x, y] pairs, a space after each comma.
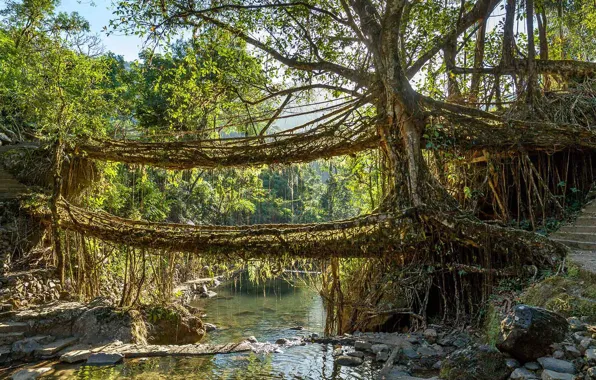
{"points": [[527, 332], [173, 324], [103, 323], [477, 362]]}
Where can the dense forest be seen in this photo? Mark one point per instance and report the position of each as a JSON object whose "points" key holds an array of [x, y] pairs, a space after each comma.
{"points": [[415, 154]]}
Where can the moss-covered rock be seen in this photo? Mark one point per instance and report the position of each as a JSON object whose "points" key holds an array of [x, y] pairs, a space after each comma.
{"points": [[173, 324], [571, 295], [477, 362]]}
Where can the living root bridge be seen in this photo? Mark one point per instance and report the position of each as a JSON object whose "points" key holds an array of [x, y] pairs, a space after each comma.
{"points": [[405, 234], [276, 148]]}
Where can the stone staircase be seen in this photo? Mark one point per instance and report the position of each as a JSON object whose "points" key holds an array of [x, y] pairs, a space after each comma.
{"points": [[580, 237], [10, 188]]}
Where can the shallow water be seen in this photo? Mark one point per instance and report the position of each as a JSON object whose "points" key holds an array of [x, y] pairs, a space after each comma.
{"points": [[267, 311]]}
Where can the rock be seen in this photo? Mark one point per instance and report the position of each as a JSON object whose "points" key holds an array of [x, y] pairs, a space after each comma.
{"points": [[430, 335], [350, 361], [314, 335], [527, 332], [252, 339], [512, 364], [558, 354], [437, 365], [382, 356], [590, 355], [30, 373], [25, 347], [209, 327], [75, 356], [585, 344], [173, 324], [547, 374], [475, 363], [591, 372], [532, 366], [102, 323], [556, 365], [51, 349], [362, 346], [281, 341], [4, 138], [376, 348], [523, 374], [208, 294], [572, 352], [356, 354], [576, 325], [102, 358], [579, 336], [298, 328]]}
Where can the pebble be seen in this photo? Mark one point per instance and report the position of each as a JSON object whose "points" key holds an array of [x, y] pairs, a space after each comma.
{"points": [[209, 327], [523, 374], [558, 354], [532, 366]]}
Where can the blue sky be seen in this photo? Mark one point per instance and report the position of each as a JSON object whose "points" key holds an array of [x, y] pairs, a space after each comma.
{"points": [[99, 13]]}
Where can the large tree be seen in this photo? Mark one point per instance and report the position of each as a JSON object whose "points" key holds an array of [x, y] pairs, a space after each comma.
{"points": [[373, 50]]}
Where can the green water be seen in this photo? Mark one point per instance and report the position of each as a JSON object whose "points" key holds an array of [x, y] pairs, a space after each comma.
{"points": [[267, 311]]}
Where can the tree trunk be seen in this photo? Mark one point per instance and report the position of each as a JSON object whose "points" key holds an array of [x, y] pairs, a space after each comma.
{"points": [[57, 191]]}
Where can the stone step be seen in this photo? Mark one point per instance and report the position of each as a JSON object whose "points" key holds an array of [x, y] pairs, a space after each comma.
{"points": [[581, 229], [586, 237], [584, 222], [53, 348], [582, 245], [10, 338], [12, 326]]}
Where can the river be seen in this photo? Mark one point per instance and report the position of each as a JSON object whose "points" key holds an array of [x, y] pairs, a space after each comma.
{"points": [[268, 311]]}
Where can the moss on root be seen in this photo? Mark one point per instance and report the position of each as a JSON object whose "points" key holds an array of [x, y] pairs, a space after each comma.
{"points": [[573, 294]]}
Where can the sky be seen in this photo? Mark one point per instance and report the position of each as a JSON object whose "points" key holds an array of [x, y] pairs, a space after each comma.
{"points": [[99, 13]]}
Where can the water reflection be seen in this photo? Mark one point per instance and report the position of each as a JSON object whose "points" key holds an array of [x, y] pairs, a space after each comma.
{"points": [[267, 311]]}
